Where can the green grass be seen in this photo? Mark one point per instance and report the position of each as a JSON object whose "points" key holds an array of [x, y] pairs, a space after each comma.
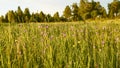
{"points": [[70, 45]]}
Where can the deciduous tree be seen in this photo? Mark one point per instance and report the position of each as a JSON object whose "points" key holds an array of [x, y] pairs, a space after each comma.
{"points": [[2, 19], [114, 8], [56, 17], [20, 14], [11, 17], [49, 18], [67, 13], [42, 17], [75, 10], [26, 15]]}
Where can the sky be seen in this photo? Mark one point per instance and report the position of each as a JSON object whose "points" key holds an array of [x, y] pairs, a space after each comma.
{"points": [[47, 6]]}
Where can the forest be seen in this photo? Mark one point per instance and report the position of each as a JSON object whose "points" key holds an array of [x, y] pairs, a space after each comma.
{"points": [[76, 12]]}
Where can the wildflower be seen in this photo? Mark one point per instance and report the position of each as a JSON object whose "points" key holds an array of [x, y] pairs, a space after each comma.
{"points": [[51, 37], [42, 33], [64, 34], [77, 31], [74, 45], [72, 28], [103, 42], [96, 33], [73, 35], [81, 31], [96, 66], [20, 25], [102, 45], [78, 41], [94, 47], [39, 26], [117, 39], [25, 31], [16, 40], [104, 28], [45, 34], [47, 26], [44, 51], [100, 50], [70, 62]]}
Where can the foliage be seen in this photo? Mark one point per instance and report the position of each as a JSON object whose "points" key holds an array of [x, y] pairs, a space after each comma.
{"points": [[49, 18], [67, 13], [19, 15], [94, 14], [2, 19], [56, 17], [92, 10], [11, 16], [76, 12], [27, 15], [114, 9], [33, 18], [42, 16]]}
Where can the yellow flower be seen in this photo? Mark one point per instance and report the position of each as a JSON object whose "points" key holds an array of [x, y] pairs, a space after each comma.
{"points": [[78, 41], [74, 45]]}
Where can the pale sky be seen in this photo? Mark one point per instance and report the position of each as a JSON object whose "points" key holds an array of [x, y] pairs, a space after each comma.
{"points": [[47, 6]]}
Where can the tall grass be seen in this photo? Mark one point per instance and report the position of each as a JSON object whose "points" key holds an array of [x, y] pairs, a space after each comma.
{"points": [[90, 45]]}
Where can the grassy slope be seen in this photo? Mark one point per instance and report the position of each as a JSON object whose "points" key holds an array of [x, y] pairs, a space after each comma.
{"points": [[77, 45]]}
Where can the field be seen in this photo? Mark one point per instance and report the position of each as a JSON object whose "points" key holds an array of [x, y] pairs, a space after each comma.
{"points": [[69, 45]]}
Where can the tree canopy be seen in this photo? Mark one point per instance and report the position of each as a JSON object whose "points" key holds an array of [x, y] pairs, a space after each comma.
{"points": [[75, 12]]}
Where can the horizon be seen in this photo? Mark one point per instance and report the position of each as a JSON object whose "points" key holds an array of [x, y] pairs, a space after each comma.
{"points": [[47, 6]]}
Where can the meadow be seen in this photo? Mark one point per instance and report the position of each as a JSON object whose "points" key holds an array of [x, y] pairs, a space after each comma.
{"points": [[62, 45]]}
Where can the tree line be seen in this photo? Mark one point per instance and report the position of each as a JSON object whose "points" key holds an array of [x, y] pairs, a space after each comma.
{"points": [[75, 12]]}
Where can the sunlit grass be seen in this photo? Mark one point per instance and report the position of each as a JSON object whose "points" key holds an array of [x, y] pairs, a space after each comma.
{"points": [[70, 45]]}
